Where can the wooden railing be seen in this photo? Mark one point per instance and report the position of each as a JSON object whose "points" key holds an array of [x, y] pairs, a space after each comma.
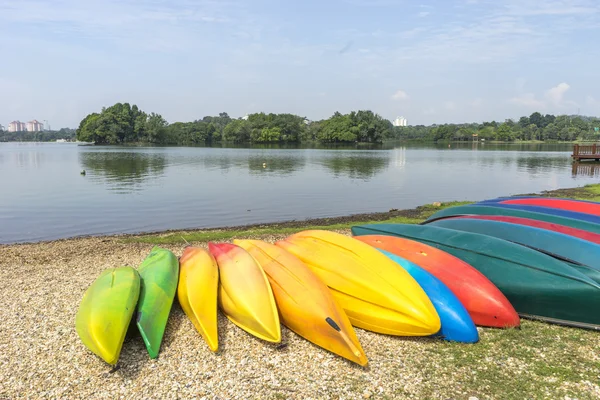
{"points": [[586, 150]]}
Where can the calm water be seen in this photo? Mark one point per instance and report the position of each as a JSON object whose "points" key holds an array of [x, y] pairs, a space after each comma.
{"points": [[137, 189]]}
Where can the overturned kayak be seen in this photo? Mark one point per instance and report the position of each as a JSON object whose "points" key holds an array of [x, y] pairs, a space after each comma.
{"points": [[159, 274], [375, 294], [485, 210], [197, 292], [457, 325], [549, 226], [537, 285], [545, 210], [584, 255], [106, 310], [580, 206], [245, 294], [306, 304], [485, 303]]}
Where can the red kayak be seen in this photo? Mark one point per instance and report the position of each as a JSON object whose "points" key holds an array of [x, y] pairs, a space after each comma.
{"points": [[485, 303], [562, 204], [567, 230]]}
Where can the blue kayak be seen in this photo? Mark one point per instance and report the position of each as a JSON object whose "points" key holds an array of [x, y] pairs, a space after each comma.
{"points": [[545, 210], [457, 325]]}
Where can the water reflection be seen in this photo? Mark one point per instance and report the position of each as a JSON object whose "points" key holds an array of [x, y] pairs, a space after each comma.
{"points": [[356, 166], [588, 168], [275, 164], [124, 171]]}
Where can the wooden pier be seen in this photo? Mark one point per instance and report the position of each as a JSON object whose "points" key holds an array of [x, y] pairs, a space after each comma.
{"points": [[586, 152]]}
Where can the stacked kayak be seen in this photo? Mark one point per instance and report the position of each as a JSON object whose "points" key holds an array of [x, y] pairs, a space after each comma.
{"points": [[486, 264]]}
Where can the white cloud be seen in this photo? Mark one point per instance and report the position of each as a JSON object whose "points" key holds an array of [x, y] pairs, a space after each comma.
{"points": [[423, 14], [527, 100], [476, 102], [400, 95], [450, 105], [555, 95]]}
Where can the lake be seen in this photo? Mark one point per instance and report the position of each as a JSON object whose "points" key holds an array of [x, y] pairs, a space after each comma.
{"points": [[141, 189]]}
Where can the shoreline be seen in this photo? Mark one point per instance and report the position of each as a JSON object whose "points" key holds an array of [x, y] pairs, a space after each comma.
{"points": [[590, 192], [42, 283]]}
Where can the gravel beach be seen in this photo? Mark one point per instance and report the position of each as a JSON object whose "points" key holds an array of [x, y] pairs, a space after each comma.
{"points": [[41, 355]]}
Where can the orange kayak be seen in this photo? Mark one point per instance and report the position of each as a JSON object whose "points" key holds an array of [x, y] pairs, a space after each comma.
{"points": [[485, 303]]}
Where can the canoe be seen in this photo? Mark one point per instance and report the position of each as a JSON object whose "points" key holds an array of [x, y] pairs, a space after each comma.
{"points": [[245, 294], [567, 230], [305, 303], [586, 207], [546, 210], [485, 303], [582, 254], [106, 310], [375, 294], [456, 323], [159, 274], [197, 292], [484, 210], [537, 285]]}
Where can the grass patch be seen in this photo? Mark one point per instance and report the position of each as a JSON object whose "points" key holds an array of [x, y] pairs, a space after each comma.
{"points": [[413, 216]]}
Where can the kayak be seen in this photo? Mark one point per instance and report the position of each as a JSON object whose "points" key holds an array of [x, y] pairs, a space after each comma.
{"points": [[197, 292], [484, 210], [159, 274], [485, 303], [306, 304], [537, 285], [375, 294], [106, 310], [245, 295], [584, 255], [586, 207], [457, 325], [567, 230], [546, 210]]}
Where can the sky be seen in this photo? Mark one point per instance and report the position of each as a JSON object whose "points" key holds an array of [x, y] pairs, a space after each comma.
{"points": [[449, 61]]}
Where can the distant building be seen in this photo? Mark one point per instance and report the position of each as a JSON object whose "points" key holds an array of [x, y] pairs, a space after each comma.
{"points": [[245, 117], [17, 126], [35, 126], [1, 127], [399, 121]]}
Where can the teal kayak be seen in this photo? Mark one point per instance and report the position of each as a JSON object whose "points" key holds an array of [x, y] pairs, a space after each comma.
{"points": [[537, 285], [487, 210], [580, 254]]}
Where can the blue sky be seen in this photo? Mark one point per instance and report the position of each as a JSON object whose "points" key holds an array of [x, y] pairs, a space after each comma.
{"points": [[429, 61]]}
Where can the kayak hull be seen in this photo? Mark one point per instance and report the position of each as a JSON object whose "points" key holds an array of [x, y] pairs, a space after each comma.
{"points": [[305, 303], [245, 295], [485, 303], [536, 284], [375, 294], [197, 292], [106, 310], [586, 207], [159, 274], [456, 323], [546, 210]]}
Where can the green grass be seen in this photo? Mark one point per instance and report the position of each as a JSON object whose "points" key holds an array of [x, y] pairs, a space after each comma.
{"points": [[589, 192], [422, 213]]}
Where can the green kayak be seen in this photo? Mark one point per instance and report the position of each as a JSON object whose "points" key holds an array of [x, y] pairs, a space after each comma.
{"points": [[159, 274], [105, 312], [580, 254], [537, 285], [489, 210]]}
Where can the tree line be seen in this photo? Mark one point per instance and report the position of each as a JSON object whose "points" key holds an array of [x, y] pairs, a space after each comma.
{"points": [[123, 123], [535, 127], [41, 136]]}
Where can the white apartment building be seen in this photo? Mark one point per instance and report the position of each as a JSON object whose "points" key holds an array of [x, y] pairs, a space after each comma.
{"points": [[400, 121]]}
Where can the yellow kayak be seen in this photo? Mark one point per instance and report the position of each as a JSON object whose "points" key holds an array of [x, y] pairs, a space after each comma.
{"points": [[197, 292], [305, 304], [245, 295], [105, 312], [376, 294]]}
